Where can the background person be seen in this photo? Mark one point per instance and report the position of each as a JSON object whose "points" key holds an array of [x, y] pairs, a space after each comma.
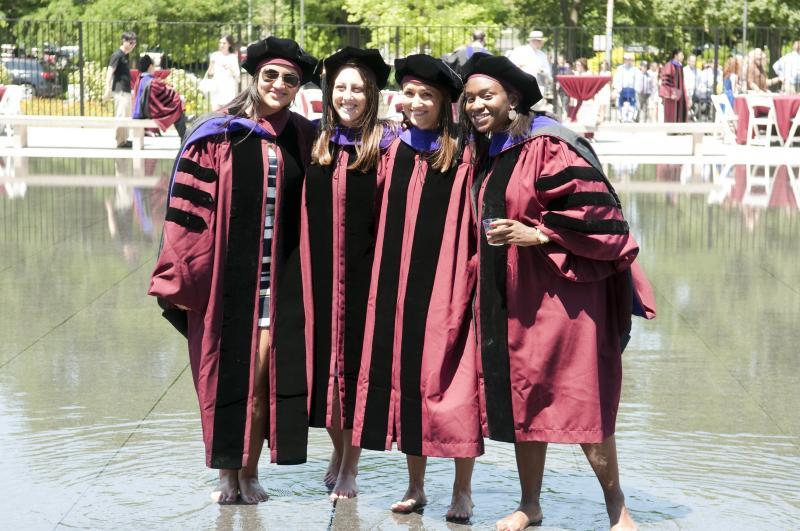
{"points": [[624, 85], [644, 88], [788, 69], [673, 89], [730, 78], [224, 72], [757, 79], [532, 58], [157, 100], [459, 57], [118, 83]]}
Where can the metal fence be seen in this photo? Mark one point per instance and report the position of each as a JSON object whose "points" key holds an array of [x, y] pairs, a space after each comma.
{"points": [[62, 63]]}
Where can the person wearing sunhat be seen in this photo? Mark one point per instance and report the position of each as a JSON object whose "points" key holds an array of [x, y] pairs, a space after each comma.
{"points": [[418, 363], [342, 194], [557, 285], [228, 271], [532, 59]]}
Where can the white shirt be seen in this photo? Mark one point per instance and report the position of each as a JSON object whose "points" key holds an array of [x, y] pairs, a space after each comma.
{"points": [[625, 77], [788, 67], [531, 61], [643, 83], [690, 78]]}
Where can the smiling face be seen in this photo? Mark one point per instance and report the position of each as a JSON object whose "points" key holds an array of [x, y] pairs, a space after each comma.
{"points": [[422, 104], [349, 97], [486, 104], [276, 91]]}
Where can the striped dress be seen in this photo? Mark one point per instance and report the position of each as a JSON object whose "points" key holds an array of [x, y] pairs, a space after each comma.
{"points": [[269, 221]]}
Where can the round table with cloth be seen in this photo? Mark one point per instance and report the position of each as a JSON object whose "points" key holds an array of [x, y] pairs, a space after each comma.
{"points": [[786, 107], [581, 88]]}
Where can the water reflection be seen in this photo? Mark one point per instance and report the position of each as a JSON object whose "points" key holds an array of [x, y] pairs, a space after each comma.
{"points": [[98, 414]]}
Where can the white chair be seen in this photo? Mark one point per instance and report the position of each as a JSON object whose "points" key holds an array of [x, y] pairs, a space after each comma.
{"points": [[723, 179], [11, 105], [309, 103], [755, 134], [759, 185], [392, 105], [794, 182], [723, 114], [793, 131]]}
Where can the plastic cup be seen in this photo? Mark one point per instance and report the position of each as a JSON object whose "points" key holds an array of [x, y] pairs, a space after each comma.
{"points": [[487, 226]]}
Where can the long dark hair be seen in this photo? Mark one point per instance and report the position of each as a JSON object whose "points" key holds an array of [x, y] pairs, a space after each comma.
{"points": [[229, 38], [370, 127]]}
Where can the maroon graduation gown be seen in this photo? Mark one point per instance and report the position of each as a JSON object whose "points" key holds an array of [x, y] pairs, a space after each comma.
{"points": [[210, 262], [673, 93], [160, 102], [339, 219], [553, 319], [418, 382]]}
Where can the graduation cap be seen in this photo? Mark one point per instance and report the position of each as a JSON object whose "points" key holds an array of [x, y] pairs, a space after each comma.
{"points": [[273, 47], [370, 59], [507, 74], [431, 70]]}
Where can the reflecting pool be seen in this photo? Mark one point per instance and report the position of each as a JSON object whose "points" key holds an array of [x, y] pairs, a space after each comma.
{"points": [[99, 425]]}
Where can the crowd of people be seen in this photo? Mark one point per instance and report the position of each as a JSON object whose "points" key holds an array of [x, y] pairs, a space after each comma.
{"points": [[425, 284]]}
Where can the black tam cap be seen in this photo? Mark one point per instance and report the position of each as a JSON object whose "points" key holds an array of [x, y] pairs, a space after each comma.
{"points": [[273, 47], [507, 73], [429, 69], [370, 59]]}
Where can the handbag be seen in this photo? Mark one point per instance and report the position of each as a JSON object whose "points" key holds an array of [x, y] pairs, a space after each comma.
{"points": [[206, 85]]}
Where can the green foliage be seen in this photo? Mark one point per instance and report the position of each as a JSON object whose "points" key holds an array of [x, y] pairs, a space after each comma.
{"points": [[187, 85], [94, 79], [5, 78]]}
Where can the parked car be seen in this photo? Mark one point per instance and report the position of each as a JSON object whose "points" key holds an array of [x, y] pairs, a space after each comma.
{"points": [[38, 78]]}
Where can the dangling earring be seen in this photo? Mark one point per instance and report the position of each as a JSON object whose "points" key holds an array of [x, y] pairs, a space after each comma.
{"points": [[512, 114]]}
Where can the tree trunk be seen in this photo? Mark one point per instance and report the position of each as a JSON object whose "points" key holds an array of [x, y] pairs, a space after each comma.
{"points": [[570, 11]]}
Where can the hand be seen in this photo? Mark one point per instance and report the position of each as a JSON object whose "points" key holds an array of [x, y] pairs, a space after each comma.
{"points": [[106, 96], [512, 232]]}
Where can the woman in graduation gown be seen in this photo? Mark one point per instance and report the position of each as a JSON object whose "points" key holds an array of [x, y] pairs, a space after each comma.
{"points": [[231, 233], [341, 197], [418, 382], [557, 285]]}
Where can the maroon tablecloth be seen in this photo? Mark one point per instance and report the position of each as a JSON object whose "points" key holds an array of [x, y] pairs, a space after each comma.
{"points": [[581, 88], [2, 92], [786, 106]]}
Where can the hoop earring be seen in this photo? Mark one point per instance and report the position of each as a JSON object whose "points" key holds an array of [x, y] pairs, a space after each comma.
{"points": [[512, 114]]}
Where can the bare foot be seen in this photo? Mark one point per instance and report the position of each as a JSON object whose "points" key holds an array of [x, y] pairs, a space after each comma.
{"points": [[251, 490], [228, 489], [333, 470], [624, 521], [345, 486], [521, 518], [460, 508], [413, 500]]}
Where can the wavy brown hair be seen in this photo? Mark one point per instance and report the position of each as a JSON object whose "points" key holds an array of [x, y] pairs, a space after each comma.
{"points": [[370, 128]]}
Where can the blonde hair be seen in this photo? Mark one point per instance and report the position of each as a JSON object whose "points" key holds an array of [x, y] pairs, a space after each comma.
{"points": [[371, 129]]}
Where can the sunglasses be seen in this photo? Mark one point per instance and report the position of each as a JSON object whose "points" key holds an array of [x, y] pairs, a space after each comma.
{"points": [[290, 80]]}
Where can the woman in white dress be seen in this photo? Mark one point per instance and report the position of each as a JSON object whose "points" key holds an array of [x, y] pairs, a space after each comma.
{"points": [[224, 72]]}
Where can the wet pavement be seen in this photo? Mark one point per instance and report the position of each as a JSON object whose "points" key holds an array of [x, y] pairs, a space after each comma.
{"points": [[99, 425]]}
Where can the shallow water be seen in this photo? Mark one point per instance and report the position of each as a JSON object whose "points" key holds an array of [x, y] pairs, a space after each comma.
{"points": [[99, 425]]}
